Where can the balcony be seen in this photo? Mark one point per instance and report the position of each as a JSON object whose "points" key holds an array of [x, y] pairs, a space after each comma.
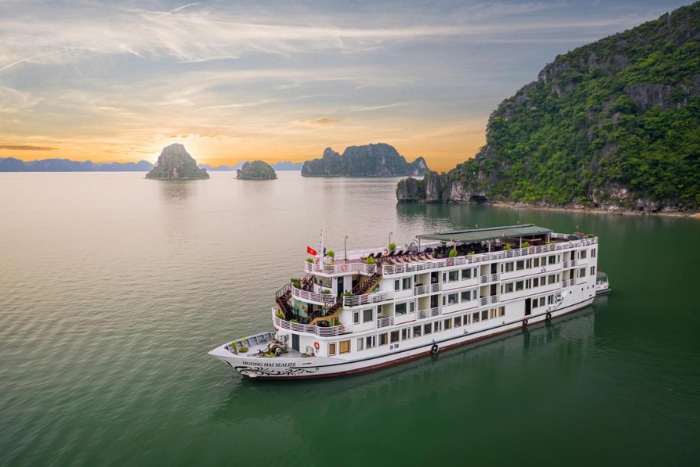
{"points": [[312, 297], [320, 331], [367, 299]]}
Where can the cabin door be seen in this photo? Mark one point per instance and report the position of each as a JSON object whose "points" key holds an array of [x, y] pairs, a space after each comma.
{"points": [[295, 342], [340, 286], [528, 306]]}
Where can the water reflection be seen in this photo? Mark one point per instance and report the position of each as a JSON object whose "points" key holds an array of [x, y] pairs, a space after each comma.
{"points": [[458, 375], [177, 191]]}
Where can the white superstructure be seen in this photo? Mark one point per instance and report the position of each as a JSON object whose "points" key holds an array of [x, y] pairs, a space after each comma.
{"points": [[378, 308]]}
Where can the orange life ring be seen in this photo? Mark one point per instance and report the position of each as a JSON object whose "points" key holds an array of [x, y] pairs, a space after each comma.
{"points": [[343, 268], [386, 251], [317, 345]]}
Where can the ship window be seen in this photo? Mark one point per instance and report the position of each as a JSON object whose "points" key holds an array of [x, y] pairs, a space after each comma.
{"points": [[331, 349], [508, 287], [397, 285], [406, 283], [454, 276], [583, 254], [437, 326], [444, 277], [466, 295], [552, 259], [528, 284], [405, 334], [466, 273], [492, 313], [356, 317], [448, 324], [593, 253], [360, 344], [344, 346], [528, 264], [534, 303], [367, 315], [383, 339], [371, 341], [427, 329], [458, 321], [452, 299], [592, 270], [551, 279], [550, 299], [519, 265], [401, 308], [536, 282], [474, 294], [519, 286], [582, 272], [484, 315], [467, 319], [416, 331], [501, 311], [475, 317], [394, 336], [325, 282], [536, 262], [541, 301], [413, 306], [509, 267]]}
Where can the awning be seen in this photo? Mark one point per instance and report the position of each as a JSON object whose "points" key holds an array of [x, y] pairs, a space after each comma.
{"points": [[491, 233]]}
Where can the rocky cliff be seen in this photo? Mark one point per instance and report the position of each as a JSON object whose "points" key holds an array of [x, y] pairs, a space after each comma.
{"points": [[613, 125], [256, 170], [371, 160], [174, 163]]}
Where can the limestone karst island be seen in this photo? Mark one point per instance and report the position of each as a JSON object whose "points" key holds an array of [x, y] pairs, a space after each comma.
{"points": [[175, 163], [612, 125], [256, 170], [370, 160]]}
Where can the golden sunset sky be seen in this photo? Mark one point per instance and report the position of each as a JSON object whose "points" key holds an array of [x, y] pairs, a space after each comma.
{"points": [[234, 81]]}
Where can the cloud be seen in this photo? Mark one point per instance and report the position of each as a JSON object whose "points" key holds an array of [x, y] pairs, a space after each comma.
{"points": [[22, 147], [320, 121]]}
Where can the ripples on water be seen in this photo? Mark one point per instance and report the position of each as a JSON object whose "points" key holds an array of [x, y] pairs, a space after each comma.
{"points": [[114, 288]]}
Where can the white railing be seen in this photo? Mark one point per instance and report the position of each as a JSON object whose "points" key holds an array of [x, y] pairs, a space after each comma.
{"points": [[384, 322], [310, 329], [343, 268], [435, 311], [307, 296], [421, 289], [494, 298], [429, 312], [389, 269], [357, 300], [566, 264]]}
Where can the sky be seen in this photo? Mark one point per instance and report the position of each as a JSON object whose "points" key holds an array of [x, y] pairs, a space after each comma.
{"points": [[277, 80]]}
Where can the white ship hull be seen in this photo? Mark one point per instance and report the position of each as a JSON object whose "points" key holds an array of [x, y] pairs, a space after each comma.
{"points": [[325, 367]]}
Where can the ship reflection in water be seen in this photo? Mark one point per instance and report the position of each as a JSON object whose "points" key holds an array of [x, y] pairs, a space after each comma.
{"points": [[469, 380]]}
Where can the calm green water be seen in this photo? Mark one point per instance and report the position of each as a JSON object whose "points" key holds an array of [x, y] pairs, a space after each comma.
{"points": [[113, 288]]}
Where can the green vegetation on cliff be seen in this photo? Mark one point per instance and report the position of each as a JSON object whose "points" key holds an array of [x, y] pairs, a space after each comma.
{"points": [[256, 170], [613, 123], [175, 163]]}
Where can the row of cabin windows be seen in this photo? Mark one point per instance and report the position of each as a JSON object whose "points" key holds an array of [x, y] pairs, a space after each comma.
{"points": [[459, 297], [370, 342], [459, 275], [539, 302], [529, 283], [529, 263], [402, 284]]}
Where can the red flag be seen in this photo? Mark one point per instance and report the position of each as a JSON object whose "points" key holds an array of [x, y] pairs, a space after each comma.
{"points": [[311, 251]]}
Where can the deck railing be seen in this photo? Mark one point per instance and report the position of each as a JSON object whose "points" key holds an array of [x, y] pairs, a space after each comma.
{"points": [[341, 268], [358, 300], [384, 322], [311, 329], [307, 296], [390, 269]]}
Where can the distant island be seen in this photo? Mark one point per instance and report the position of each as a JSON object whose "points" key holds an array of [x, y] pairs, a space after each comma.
{"points": [[10, 164], [613, 125], [278, 166], [370, 160], [175, 163], [256, 170]]}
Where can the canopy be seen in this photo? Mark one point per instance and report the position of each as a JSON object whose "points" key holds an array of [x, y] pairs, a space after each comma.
{"points": [[491, 233]]}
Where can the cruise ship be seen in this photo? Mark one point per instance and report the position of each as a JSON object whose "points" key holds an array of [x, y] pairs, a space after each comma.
{"points": [[370, 309]]}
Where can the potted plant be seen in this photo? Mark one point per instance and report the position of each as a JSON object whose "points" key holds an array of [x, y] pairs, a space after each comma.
{"points": [[370, 260], [525, 245], [506, 247], [453, 253], [330, 253], [293, 320], [310, 260], [295, 282], [392, 246], [279, 315]]}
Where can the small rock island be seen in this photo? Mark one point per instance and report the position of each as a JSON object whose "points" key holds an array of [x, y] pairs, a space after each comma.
{"points": [[370, 160], [256, 170], [175, 163]]}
